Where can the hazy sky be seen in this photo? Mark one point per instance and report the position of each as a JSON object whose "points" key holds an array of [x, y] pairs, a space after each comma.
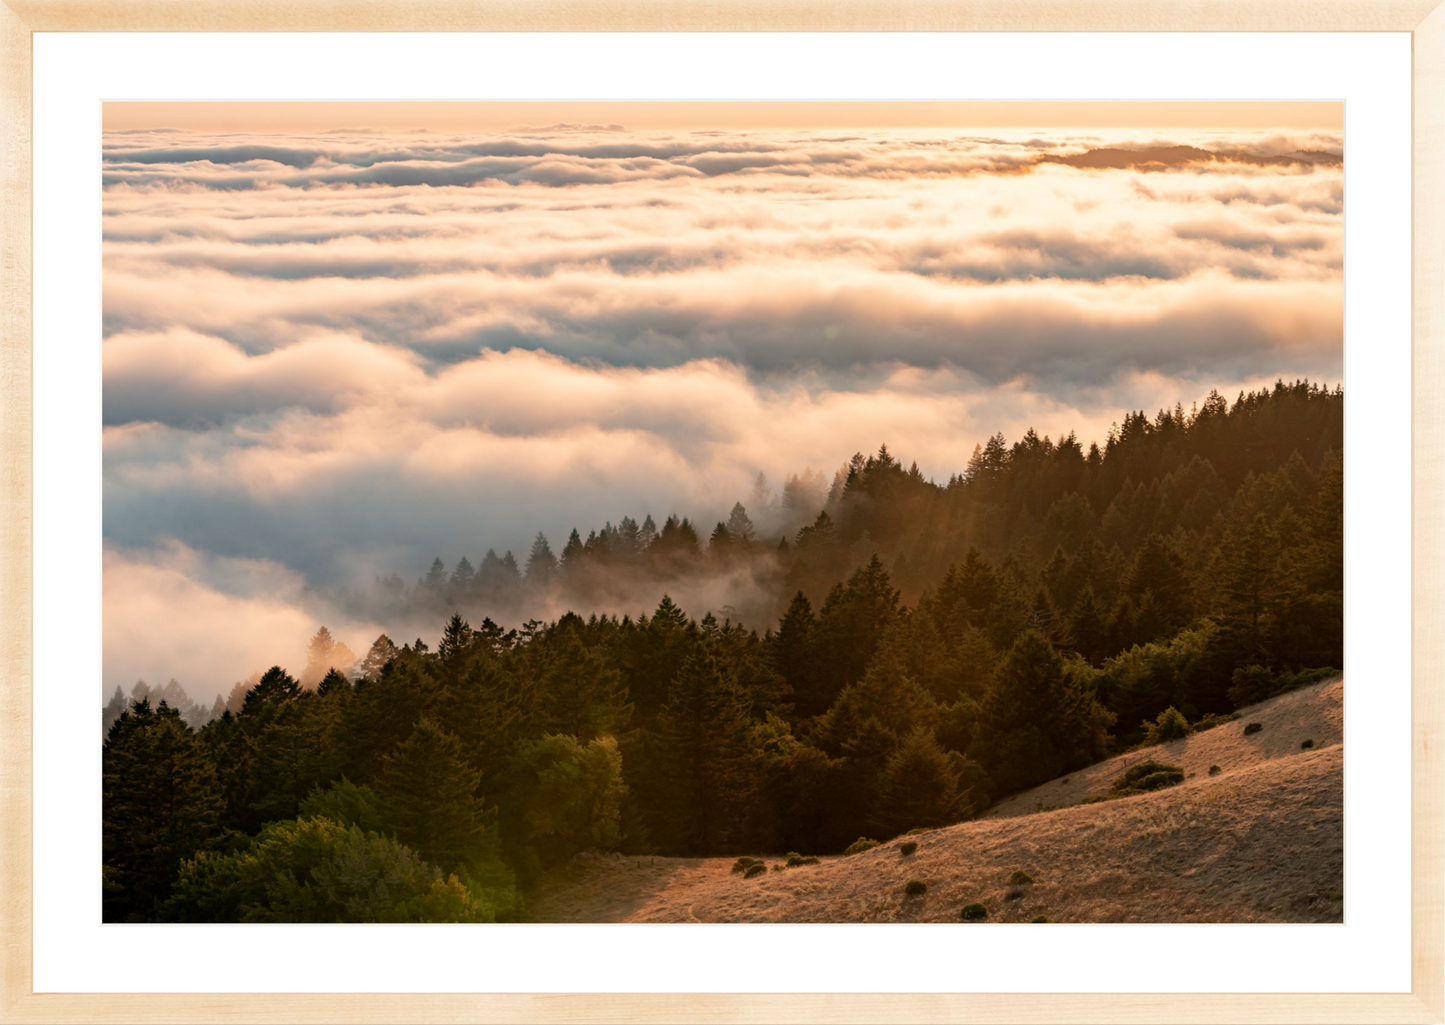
{"points": [[332, 351]]}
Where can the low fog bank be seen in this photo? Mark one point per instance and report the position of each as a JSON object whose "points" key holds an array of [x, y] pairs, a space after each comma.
{"points": [[242, 615]]}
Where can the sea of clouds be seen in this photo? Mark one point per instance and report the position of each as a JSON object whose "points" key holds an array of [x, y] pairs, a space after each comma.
{"points": [[335, 356]]}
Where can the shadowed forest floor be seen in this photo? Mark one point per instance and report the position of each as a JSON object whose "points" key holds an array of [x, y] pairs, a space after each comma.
{"points": [[1261, 841]]}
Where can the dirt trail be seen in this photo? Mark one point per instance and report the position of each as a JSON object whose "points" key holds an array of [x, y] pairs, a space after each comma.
{"points": [[1262, 841]]}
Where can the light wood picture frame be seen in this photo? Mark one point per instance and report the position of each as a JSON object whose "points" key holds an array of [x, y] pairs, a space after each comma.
{"points": [[1424, 20]]}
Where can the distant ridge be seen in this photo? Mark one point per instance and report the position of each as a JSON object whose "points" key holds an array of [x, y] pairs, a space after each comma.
{"points": [[1176, 156]]}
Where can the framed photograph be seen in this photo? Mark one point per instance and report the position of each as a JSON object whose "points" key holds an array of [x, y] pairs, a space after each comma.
{"points": [[716, 516]]}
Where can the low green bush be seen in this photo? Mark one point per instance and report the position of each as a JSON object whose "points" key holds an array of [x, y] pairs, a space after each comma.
{"points": [[909, 847], [795, 859], [1147, 776], [915, 888], [1019, 878], [1039, 918], [1306, 745], [861, 844], [973, 913], [743, 864], [1253, 727], [1171, 725], [755, 870], [1158, 781], [1210, 721]]}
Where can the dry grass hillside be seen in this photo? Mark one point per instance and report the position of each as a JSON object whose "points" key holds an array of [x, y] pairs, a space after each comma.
{"points": [[1260, 841]]}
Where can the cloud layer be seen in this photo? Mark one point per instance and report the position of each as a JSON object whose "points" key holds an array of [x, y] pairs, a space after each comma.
{"points": [[342, 354]]}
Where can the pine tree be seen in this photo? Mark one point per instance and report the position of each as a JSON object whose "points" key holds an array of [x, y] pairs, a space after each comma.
{"points": [[333, 682], [1037, 720], [433, 585], [740, 526], [276, 689], [792, 654], [428, 797], [1087, 627], [850, 626], [704, 756], [381, 652], [459, 588], [572, 553], [117, 704], [1158, 570], [456, 640], [581, 695], [541, 563], [292, 754], [323, 654], [921, 786], [1249, 590], [159, 806], [657, 650], [721, 546], [646, 534]]}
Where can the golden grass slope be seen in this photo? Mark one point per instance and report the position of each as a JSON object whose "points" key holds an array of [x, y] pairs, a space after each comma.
{"points": [[1262, 841]]}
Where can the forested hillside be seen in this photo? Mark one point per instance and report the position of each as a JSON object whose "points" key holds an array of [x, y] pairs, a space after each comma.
{"points": [[934, 647]]}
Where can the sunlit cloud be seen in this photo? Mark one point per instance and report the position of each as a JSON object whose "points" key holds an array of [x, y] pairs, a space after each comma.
{"points": [[335, 356]]}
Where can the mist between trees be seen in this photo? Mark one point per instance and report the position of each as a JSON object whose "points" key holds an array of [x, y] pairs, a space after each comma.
{"points": [[935, 647]]}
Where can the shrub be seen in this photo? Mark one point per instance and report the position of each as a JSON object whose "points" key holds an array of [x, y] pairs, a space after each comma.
{"points": [[973, 913], [915, 888], [1210, 721], [317, 870], [1171, 725], [1014, 894], [1146, 776], [1253, 727], [915, 832], [794, 860], [861, 844], [909, 847], [755, 870], [1215, 770], [743, 864], [1306, 745], [1159, 780], [1019, 878], [1039, 918], [791, 855], [777, 868]]}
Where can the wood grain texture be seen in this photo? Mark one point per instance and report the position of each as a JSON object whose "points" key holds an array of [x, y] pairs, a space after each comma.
{"points": [[1425, 18], [1427, 866], [15, 512], [716, 16], [761, 1008]]}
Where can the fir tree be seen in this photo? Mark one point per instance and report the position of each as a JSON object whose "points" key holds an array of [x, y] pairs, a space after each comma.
{"points": [[704, 755], [1038, 720], [159, 806], [428, 796], [541, 563]]}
